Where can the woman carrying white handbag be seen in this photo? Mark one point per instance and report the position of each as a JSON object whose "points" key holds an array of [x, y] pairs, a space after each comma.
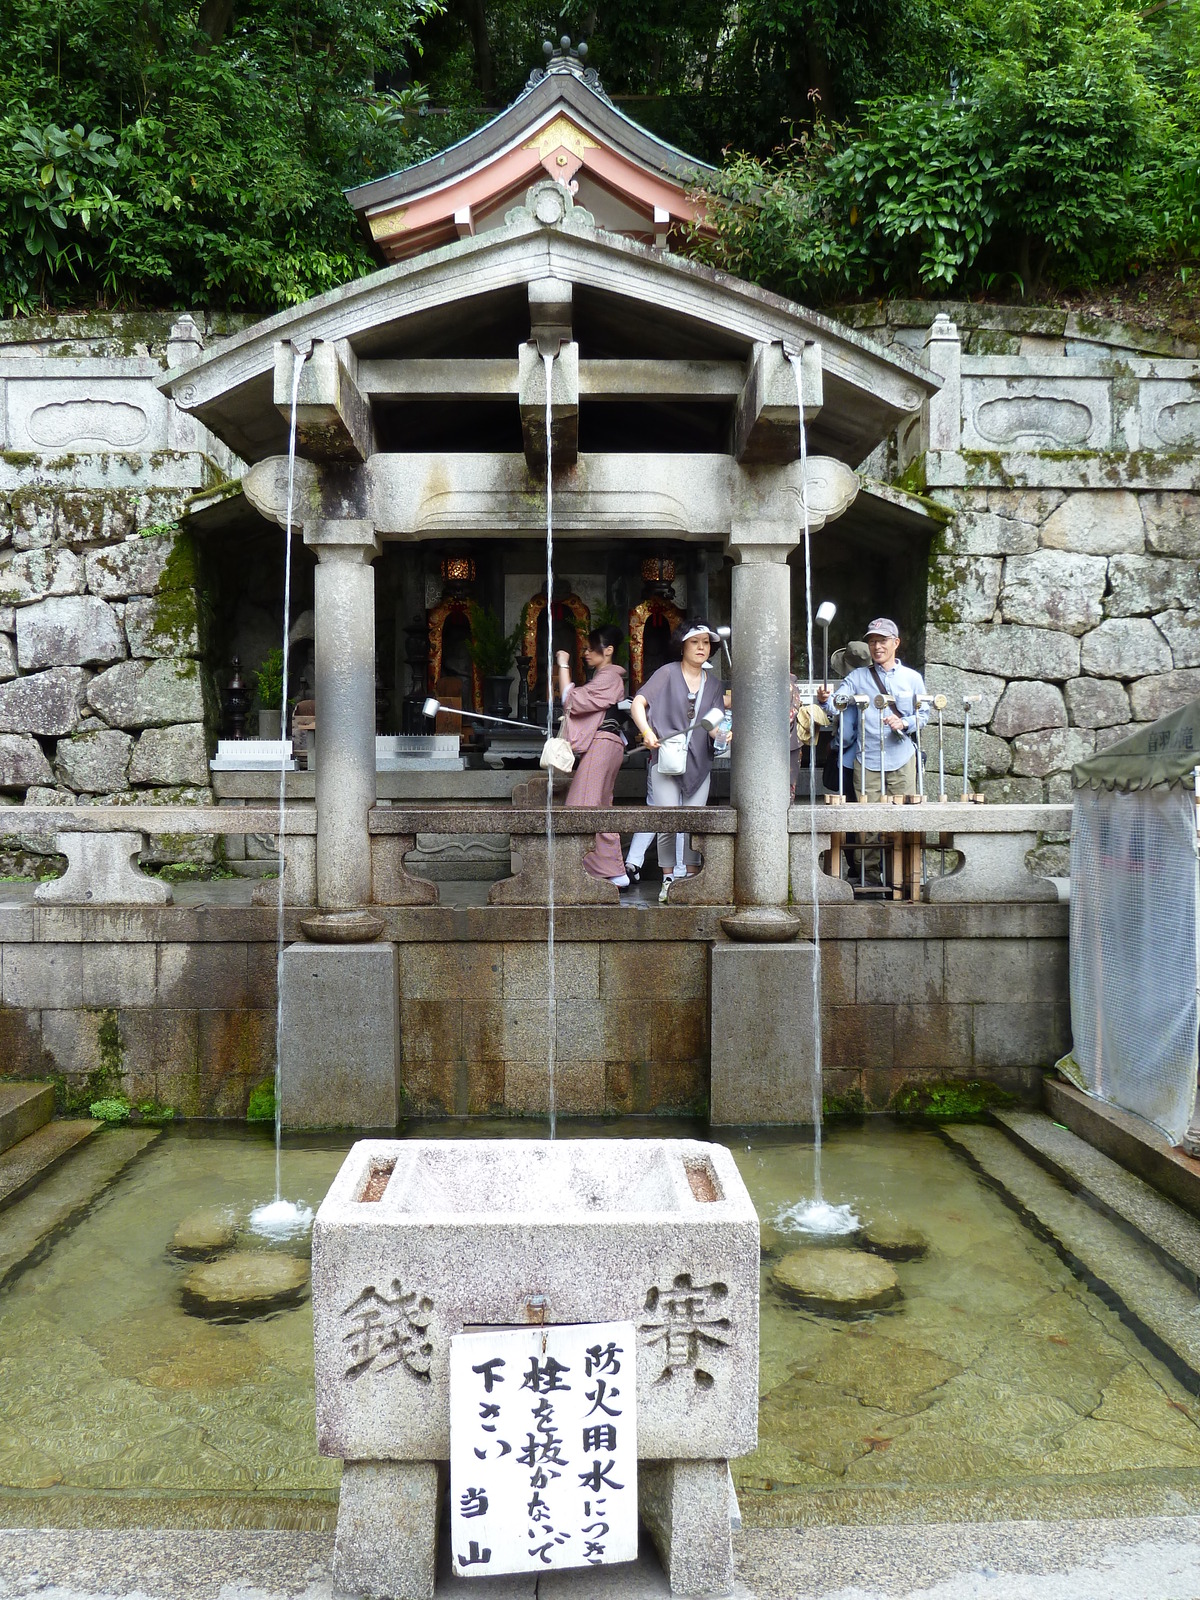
{"points": [[669, 711]]}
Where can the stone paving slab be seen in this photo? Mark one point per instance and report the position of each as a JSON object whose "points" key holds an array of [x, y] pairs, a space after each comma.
{"points": [[1145, 1558], [1170, 1230], [62, 1196]]}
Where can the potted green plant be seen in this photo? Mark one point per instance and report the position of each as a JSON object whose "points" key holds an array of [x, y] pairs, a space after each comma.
{"points": [[269, 683], [492, 653]]}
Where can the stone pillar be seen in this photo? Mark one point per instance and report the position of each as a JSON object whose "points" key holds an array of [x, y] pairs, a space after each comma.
{"points": [[761, 649], [344, 603]]}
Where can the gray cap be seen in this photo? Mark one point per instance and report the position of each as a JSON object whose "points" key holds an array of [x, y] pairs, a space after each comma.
{"points": [[884, 627]]}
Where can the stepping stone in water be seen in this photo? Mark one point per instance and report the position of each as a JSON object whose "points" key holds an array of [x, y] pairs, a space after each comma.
{"points": [[245, 1283], [895, 1241], [204, 1233], [836, 1283]]}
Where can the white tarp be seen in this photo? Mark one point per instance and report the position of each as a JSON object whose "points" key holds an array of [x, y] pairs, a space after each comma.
{"points": [[1133, 951]]}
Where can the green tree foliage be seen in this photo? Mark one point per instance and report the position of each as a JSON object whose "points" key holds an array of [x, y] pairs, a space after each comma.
{"points": [[189, 152], [181, 152], [1065, 142]]}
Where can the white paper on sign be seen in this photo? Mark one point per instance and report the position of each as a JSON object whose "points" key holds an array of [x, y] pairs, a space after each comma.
{"points": [[543, 1448]]}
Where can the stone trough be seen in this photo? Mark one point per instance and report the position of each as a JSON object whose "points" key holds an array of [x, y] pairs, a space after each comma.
{"points": [[420, 1240]]}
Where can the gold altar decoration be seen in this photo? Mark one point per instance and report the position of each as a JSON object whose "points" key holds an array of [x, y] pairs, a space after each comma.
{"points": [[656, 610], [458, 573], [573, 607]]}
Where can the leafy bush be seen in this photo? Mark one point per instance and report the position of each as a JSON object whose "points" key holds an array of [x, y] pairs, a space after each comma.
{"points": [[491, 650], [150, 155], [153, 1115], [1061, 148], [269, 680], [113, 1111]]}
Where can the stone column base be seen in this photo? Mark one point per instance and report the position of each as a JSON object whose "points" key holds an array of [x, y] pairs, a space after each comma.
{"points": [[761, 1032], [386, 1543], [341, 1036], [687, 1508]]}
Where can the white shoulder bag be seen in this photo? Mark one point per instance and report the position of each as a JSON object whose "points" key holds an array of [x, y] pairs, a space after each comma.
{"points": [[673, 751]]}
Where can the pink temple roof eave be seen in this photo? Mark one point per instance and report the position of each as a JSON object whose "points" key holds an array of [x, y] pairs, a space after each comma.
{"points": [[557, 128]]}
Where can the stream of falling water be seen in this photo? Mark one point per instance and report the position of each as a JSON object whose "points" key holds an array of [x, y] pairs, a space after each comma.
{"points": [[815, 1215], [284, 1216], [551, 997]]}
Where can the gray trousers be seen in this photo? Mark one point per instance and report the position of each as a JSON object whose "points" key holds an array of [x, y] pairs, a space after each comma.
{"points": [[674, 852]]}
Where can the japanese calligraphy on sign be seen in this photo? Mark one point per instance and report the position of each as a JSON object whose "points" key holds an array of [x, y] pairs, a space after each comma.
{"points": [[543, 1448]]}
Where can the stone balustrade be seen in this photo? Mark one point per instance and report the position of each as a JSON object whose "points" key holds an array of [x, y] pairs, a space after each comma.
{"points": [[993, 842], [100, 842]]}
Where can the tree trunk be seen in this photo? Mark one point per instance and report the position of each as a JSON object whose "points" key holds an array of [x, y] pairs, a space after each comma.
{"points": [[215, 17], [820, 84], [475, 14]]}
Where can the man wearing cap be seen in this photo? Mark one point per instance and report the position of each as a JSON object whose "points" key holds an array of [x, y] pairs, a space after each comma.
{"points": [[880, 739]]}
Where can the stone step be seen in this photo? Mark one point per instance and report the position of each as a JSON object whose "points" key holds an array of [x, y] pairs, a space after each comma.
{"points": [[26, 1163], [1172, 1233], [1135, 1144], [1127, 1275], [64, 1195], [24, 1107]]}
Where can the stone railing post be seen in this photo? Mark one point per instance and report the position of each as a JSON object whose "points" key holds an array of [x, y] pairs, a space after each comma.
{"points": [[943, 354], [344, 604]]}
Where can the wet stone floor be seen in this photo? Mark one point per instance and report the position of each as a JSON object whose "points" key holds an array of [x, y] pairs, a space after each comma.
{"points": [[998, 1385]]}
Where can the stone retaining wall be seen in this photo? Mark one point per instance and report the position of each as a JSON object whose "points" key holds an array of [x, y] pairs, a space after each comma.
{"points": [[102, 690], [185, 997], [1065, 590]]}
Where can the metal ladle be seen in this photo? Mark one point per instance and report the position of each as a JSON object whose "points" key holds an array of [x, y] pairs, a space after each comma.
{"points": [[432, 707]]}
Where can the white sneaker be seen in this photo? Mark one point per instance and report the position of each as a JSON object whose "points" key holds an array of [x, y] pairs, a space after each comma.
{"points": [[622, 882]]}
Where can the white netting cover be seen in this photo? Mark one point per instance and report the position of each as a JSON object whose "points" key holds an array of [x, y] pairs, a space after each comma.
{"points": [[1133, 951]]}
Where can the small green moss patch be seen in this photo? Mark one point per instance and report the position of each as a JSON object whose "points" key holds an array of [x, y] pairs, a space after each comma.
{"points": [[261, 1106], [951, 1099]]}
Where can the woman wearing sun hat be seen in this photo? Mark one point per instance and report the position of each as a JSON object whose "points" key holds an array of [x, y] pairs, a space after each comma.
{"points": [[674, 701]]}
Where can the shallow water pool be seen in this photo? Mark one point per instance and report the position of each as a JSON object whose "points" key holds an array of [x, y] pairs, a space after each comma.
{"points": [[999, 1382]]}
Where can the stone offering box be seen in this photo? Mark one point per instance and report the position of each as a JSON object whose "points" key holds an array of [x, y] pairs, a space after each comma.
{"points": [[419, 1240]]}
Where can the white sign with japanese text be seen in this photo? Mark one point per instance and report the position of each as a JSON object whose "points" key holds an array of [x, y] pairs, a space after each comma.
{"points": [[543, 1448]]}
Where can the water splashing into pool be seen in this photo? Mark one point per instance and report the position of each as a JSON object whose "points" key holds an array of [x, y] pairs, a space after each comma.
{"points": [[551, 997], [815, 1216], [283, 1218]]}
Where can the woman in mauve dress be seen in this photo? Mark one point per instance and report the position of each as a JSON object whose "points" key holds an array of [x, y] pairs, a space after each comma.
{"points": [[591, 728]]}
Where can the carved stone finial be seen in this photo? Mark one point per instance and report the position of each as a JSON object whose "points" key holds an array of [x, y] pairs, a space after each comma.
{"points": [[550, 204]]}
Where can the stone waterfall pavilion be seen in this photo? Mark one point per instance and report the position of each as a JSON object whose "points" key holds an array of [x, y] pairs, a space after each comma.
{"points": [[1017, 487], [421, 422]]}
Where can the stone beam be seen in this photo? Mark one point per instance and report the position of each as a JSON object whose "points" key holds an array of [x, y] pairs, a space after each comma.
{"points": [[333, 415], [564, 406], [494, 378], [766, 419], [618, 495]]}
